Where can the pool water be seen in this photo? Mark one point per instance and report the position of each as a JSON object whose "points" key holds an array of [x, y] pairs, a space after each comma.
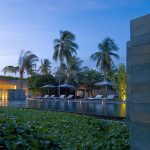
{"points": [[95, 108]]}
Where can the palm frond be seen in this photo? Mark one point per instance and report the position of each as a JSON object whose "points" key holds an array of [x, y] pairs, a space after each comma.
{"points": [[45, 67], [114, 55], [10, 69], [64, 47], [56, 52], [29, 62], [103, 56]]}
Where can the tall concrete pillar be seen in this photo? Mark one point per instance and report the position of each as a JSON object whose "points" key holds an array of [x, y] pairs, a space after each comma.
{"points": [[138, 83]]}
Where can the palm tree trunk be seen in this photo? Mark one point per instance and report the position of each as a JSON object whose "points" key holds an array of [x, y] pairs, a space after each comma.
{"points": [[59, 77], [67, 80], [105, 78], [20, 80], [105, 73]]}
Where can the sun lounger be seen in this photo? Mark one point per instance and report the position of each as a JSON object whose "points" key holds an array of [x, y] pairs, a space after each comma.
{"points": [[90, 98], [69, 97], [52, 97], [61, 97], [46, 96], [97, 97], [110, 97]]}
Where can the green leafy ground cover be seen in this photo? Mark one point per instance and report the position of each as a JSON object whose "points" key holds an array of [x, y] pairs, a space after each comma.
{"points": [[39, 129]]}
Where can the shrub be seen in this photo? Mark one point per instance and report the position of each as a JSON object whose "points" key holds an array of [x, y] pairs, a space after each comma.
{"points": [[38, 129]]}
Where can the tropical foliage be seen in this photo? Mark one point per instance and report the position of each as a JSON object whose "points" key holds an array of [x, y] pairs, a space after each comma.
{"points": [[88, 77], [26, 64], [9, 78], [60, 74], [104, 56], [121, 80], [36, 129], [64, 47], [70, 69], [37, 81], [45, 67]]}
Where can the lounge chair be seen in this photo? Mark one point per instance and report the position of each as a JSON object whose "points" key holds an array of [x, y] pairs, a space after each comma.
{"points": [[110, 97], [61, 97], [52, 97], [46, 96], [97, 97], [69, 97]]}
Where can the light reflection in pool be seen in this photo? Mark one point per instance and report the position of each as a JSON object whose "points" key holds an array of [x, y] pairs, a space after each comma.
{"points": [[111, 109], [97, 108]]}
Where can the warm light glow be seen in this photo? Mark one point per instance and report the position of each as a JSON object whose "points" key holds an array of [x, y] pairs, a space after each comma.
{"points": [[26, 91], [4, 87], [123, 97], [122, 109], [3, 97], [122, 82], [7, 86], [3, 103]]}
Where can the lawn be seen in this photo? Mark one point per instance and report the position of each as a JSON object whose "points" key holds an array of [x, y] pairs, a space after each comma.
{"points": [[38, 129]]}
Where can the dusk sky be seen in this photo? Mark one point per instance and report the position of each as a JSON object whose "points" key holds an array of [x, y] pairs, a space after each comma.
{"points": [[34, 24]]}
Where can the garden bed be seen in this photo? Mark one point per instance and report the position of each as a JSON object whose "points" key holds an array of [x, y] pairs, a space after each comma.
{"points": [[38, 129]]}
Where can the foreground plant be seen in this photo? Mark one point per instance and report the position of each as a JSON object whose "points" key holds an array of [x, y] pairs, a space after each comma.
{"points": [[36, 129]]}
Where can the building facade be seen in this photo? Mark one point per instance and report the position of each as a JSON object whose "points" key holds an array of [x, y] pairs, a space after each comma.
{"points": [[138, 83], [9, 89]]}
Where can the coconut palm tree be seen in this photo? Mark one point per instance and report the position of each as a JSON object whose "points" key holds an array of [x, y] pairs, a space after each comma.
{"points": [[73, 67], [104, 57], [45, 67], [61, 72], [64, 48], [26, 64]]}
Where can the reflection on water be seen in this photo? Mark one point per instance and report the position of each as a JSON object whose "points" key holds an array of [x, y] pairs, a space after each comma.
{"points": [[3, 102], [12, 103], [111, 109], [3, 95]]}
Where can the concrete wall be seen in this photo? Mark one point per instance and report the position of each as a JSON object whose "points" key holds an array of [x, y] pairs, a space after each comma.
{"points": [[12, 95], [138, 83], [16, 95]]}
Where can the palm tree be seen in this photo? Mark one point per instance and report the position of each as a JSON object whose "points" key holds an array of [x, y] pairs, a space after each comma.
{"points": [[73, 68], [26, 63], [64, 48], [45, 67], [104, 57], [61, 72]]}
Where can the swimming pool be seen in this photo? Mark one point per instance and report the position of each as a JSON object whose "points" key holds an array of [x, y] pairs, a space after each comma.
{"points": [[85, 107]]}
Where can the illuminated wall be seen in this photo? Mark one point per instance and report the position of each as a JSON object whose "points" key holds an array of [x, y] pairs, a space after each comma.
{"points": [[3, 95], [6, 86]]}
